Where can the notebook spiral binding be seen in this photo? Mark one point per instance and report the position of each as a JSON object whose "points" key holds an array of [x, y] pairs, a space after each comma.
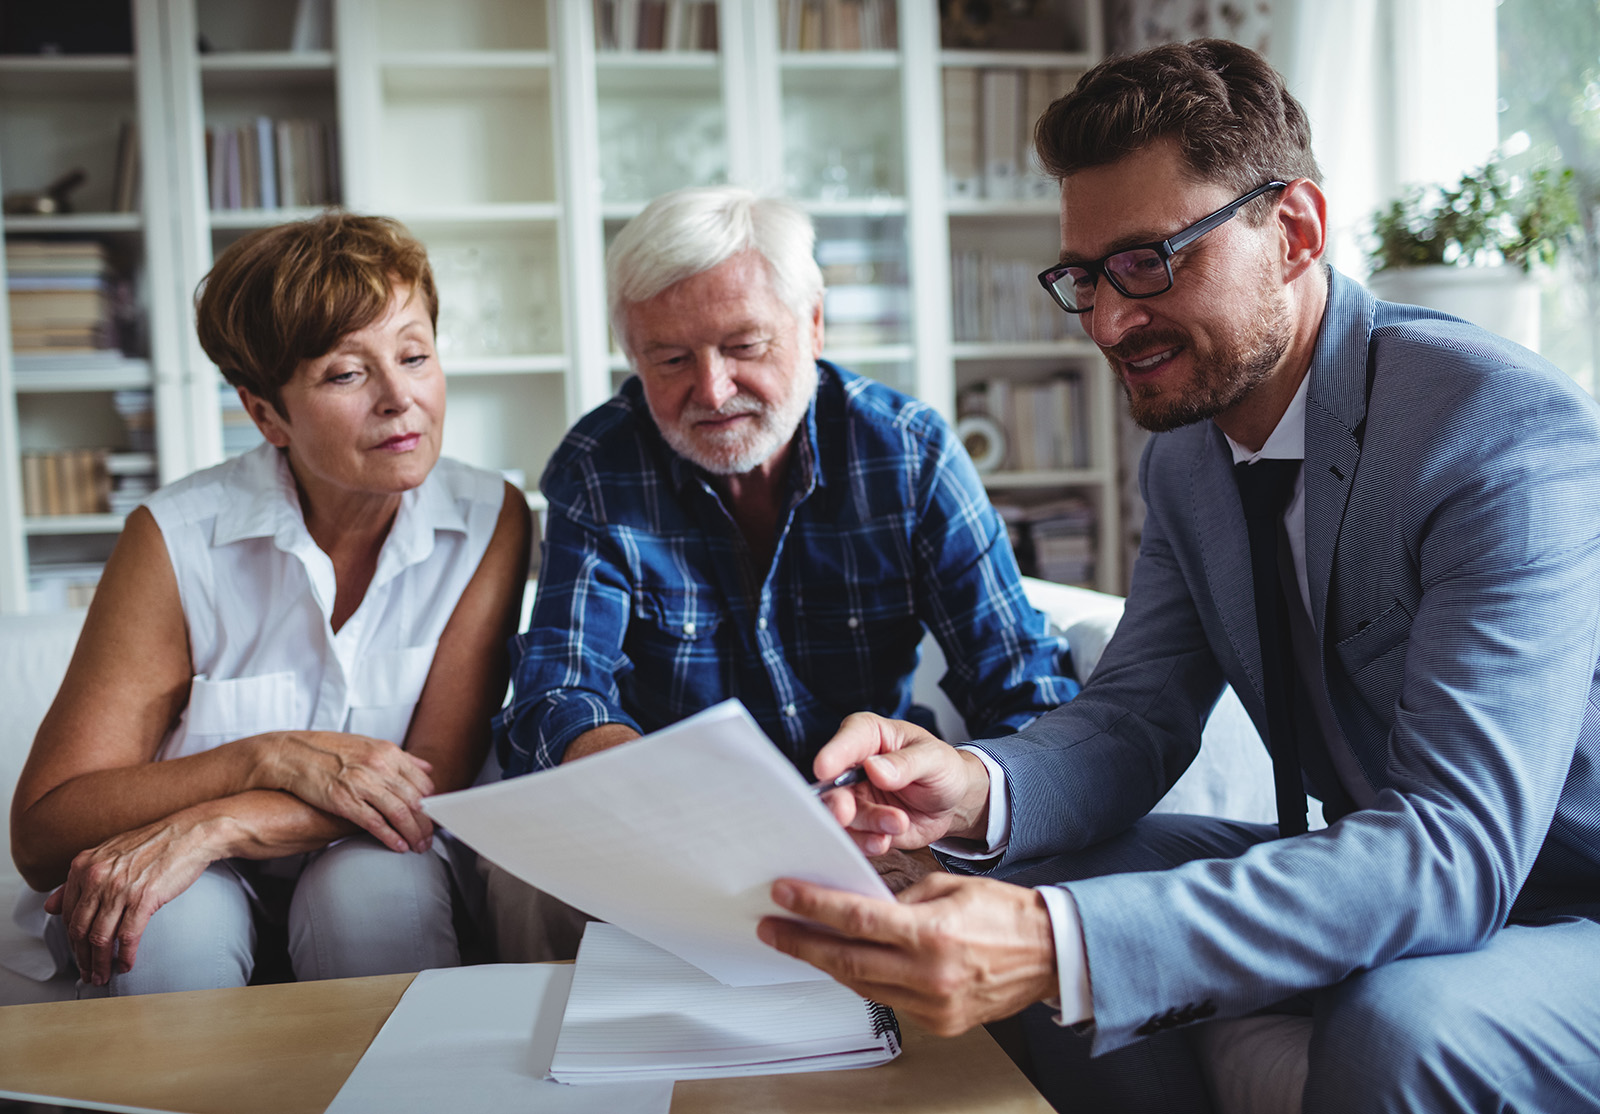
{"points": [[885, 1024]]}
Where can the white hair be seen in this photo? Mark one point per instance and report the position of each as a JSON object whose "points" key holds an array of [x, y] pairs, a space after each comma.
{"points": [[688, 231]]}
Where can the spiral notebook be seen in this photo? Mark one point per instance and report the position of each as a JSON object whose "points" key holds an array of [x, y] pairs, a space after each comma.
{"points": [[637, 1012]]}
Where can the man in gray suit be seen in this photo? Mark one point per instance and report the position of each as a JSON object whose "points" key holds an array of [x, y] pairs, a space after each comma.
{"points": [[1416, 633]]}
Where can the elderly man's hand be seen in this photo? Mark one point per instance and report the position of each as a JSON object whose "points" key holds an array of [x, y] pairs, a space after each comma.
{"points": [[953, 952], [918, 789]]}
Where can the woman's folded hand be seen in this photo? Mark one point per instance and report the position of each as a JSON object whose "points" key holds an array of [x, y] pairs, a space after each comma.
{"points": [[369, 782], [114, 888]]}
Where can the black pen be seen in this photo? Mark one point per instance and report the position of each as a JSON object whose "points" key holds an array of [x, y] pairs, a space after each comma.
{"points": [[849, 777]]}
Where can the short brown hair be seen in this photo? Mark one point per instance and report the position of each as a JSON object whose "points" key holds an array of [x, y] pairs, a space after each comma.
{"points": [[285, 294], [1226, 108]]}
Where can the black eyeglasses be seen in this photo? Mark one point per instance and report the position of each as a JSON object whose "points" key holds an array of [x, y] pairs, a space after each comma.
{"points": [[1140, 272]]}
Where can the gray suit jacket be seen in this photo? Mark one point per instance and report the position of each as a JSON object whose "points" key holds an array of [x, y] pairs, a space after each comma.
{"points": [[1453, 553]]}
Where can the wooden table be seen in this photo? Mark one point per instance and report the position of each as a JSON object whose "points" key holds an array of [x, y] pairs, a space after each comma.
{"points": [[287, 1049]]}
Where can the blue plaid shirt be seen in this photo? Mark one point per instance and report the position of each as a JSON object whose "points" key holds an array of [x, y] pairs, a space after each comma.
{"points": [[650, 607]]}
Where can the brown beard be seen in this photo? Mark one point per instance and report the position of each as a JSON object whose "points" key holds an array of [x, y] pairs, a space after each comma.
{"points": [[1222, 376]]}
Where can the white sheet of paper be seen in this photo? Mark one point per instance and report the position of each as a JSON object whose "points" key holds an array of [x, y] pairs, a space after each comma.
{"points": [[478, 1040], [676, 837]]}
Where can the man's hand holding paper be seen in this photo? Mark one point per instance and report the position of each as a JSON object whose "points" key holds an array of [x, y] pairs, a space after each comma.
{"points": [[954, 952]]}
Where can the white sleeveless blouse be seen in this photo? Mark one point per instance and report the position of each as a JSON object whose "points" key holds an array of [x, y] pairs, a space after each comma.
{"points": [[258, 599]]}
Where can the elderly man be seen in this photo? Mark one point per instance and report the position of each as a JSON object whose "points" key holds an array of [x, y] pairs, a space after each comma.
{"points": [[746, 520], [1409, 608]]}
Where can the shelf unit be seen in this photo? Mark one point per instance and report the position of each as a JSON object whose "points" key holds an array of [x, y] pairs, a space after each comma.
{"points": [[515, 148]]}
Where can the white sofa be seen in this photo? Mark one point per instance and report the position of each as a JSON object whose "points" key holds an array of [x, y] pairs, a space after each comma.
{"points": [[1232, 777]]}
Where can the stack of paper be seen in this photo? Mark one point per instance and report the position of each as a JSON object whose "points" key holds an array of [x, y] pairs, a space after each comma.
{"points": [[639, 1013]]}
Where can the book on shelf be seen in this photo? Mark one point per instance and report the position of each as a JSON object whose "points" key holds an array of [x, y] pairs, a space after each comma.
{"points": [[655, 25], [125, 179], [272, 164], [989, 117], [847, 25], [1042, 88], [999, 301], [313, 26], [65, 482], [963, 169], [1001, 93]]}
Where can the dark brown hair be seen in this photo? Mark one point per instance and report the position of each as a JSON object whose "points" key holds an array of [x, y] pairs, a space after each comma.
{"points": [[1225, 107], [281, 295]]}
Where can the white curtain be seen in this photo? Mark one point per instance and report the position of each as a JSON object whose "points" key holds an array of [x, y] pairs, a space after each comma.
{"points": [[1400, 93]]}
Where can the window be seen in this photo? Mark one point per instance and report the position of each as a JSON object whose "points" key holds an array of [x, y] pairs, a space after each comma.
{"points": [[1549, 110]]}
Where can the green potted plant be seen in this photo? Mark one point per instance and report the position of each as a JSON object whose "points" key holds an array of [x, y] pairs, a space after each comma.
{"points": [[1467, 249]]}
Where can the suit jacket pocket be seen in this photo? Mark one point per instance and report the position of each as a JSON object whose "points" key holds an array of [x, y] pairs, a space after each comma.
{"points": [[1373, 657]]}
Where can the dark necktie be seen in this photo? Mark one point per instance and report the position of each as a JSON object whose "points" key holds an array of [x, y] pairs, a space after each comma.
{"points": [[1264, 491]]}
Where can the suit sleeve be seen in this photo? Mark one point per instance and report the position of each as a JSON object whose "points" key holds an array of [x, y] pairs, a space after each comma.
{"points": [[1483, 696]]}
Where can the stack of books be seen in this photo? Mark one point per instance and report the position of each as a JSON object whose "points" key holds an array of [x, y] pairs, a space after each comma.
{"points": [[867, 300], [655, 24], [837, 25], [273, 164], [989, 114], [136, 408], [1053, 540], [133, 480], [62, 295]]}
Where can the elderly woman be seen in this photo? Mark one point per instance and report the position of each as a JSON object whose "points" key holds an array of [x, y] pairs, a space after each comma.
{"points": [[286, 653]]}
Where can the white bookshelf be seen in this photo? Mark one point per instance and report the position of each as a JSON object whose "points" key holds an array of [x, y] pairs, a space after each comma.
{"points": [[514, 148]]}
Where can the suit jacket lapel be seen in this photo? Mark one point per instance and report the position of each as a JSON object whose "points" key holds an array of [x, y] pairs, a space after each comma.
{"points": [[1336, 409], [1225, 548]]}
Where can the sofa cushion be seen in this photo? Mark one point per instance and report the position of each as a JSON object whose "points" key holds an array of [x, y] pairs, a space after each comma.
{"points": [[34, 652]]}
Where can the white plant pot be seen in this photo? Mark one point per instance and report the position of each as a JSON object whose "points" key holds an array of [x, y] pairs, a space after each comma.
{"points": [[1501, 299]]}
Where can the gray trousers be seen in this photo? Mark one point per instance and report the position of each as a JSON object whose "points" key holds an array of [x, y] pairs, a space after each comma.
{"points": [[357, 909], [1514, 1026]]}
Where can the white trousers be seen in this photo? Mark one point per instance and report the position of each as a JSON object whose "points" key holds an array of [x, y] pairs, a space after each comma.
{"points": [[357, 909]]}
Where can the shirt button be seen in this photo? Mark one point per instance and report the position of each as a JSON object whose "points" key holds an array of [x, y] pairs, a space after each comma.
{"points": [[688, 628], [854, 622], [790, 711], [761, 623]]}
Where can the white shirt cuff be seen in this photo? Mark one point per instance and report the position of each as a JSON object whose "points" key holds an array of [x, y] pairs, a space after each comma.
{"points": [[1072, 958], [997, 837]]}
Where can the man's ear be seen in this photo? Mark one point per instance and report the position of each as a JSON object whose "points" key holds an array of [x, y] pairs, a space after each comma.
{"points": [[1302, 227], [273, 425], [814, 327]]}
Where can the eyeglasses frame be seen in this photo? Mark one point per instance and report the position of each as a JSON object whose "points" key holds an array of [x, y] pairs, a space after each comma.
{"points": [[1166, 249]]}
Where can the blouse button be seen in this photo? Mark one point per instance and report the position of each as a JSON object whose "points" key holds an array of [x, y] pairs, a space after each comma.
{"points": [[854, 622], [790, 711], [688, 628], [761, 623]]}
